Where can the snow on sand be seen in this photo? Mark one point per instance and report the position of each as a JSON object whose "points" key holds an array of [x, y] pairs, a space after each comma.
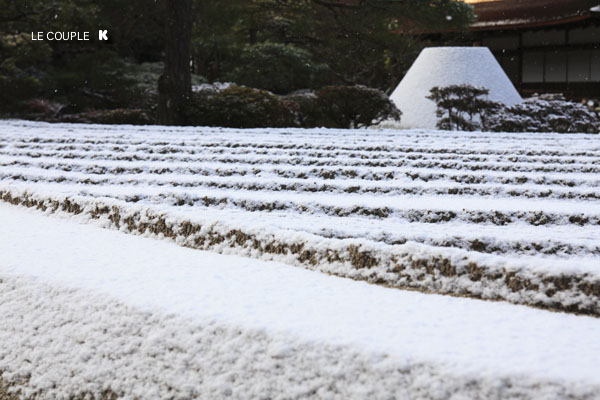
{"points": [[90, 310]]}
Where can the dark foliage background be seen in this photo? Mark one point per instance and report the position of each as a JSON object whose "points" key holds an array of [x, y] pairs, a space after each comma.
{"points": [[281, 46]]}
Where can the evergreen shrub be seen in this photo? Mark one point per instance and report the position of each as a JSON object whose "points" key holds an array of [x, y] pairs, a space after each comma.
{"points": [[467, 108], [115, 116], [546, 114], [353, 107], [238, 107], [330, 107], [463, 107]]}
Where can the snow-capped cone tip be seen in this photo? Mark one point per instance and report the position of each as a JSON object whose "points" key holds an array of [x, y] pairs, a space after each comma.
{"points": [[445, 66]]}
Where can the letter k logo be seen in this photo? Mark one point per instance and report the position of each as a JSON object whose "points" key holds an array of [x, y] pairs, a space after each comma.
{"points": [[102, 34]]}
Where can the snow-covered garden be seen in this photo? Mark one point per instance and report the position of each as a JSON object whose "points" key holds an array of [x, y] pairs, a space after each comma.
{"points": [[317, 199], [243, 297]]}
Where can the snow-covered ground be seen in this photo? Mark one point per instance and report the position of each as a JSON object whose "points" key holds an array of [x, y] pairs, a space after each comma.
{"points": [[87, 310], [510, 217], [500, 216]]}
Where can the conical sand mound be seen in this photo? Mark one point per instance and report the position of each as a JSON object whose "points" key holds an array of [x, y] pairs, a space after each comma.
{"points": [[444, 66]]}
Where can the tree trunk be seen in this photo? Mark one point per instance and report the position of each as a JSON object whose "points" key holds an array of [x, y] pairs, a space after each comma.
{"points": [[174, 85]]}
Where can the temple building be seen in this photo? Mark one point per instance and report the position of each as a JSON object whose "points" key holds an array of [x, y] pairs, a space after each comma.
{"points": [[544, 46]]}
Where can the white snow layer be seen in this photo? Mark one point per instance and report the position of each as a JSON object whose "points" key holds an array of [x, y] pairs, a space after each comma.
{"points": [[87, 310], [445, 66], [508, 203]]}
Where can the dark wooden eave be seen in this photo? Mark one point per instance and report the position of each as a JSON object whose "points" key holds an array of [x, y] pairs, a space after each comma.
{"points": [[518, 14]]}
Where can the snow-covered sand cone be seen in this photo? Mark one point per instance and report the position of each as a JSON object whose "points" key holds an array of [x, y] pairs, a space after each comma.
{"points": [[444, 66]]}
